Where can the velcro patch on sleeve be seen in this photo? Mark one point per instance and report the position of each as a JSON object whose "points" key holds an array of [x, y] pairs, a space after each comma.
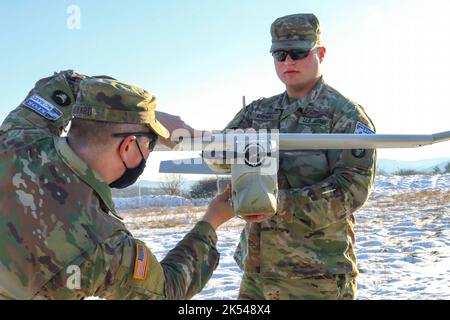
{"points": [[42, 107], [363, 129], [141, 262]]}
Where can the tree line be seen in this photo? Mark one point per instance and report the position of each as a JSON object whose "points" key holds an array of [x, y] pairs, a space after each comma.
{"points": [[174, 185], [412, 172]]}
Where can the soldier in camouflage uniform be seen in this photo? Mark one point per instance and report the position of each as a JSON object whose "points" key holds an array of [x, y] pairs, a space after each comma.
{"points": [[306, 250], [57, 217]]}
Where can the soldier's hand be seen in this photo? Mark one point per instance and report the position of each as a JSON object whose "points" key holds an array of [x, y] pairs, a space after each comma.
{"points": [[248, 130], [177, 128], [260, 217], [219, 210]]}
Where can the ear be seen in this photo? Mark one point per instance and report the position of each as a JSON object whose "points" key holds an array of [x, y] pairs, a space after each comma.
{"points": [[322, 53], [125, 147]]}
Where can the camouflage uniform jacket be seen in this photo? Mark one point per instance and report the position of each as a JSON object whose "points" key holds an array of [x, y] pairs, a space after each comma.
{"points": [[57, 216], [312, 233]]}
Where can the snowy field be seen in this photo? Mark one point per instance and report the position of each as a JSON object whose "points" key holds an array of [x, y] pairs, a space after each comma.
{"points": [[403, 238]]}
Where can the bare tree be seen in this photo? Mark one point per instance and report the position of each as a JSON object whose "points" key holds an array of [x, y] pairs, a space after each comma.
{"points": [[408, 172], [172, 185], [208, 188], [436, 170]]}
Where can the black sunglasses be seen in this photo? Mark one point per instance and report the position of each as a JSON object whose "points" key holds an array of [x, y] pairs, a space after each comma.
{"points": [[153, 137], [281, 55]]}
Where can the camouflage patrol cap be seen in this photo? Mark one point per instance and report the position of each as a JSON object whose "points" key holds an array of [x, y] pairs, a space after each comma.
{"points": [[105, 99], [297, 31]]}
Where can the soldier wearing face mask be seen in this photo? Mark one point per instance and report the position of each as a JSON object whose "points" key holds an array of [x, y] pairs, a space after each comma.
{"points": [[56, 210]]}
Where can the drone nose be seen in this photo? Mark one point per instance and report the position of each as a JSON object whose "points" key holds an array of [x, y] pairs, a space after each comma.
{"points": [[254, 155]]}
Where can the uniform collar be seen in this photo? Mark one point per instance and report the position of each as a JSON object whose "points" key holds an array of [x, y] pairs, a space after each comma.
{"points": [[289, 107], [85, 173], [316, 91]]}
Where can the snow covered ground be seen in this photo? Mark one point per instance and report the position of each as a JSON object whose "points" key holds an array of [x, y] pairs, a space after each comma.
{"points": [[385, 185], [403, 239]]}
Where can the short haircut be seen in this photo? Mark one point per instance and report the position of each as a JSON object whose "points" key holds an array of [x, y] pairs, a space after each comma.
{"points": [[91, 133]]}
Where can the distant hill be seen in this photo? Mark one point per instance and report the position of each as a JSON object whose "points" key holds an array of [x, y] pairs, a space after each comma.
{"points": [[427, 166]]}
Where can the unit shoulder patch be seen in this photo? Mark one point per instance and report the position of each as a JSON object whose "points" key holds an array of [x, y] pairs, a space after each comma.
{"points": [[61, 98]]}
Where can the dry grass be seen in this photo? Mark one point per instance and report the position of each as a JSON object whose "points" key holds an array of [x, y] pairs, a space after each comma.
{"points": [[171, 217], [162, 217], [434, 198]]}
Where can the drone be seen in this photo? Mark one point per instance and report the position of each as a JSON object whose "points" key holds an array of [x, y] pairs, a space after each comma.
{"points": [[251, 158]]}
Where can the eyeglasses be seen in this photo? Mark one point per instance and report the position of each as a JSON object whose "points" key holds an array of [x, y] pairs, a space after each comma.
{"points": [[296, 54], [153, 137]]}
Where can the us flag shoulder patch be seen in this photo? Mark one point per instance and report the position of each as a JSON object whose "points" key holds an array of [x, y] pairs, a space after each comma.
{"points": [[140, 264]]}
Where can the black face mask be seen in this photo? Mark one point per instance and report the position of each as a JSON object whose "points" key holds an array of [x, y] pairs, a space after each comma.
{"points": [[131, 174]]}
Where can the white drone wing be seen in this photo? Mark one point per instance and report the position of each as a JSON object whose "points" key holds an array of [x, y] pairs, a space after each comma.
{"points": [[292, 141], [298, 141]]}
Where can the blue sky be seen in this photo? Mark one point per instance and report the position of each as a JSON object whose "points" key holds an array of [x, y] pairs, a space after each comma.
{"points": [[200, 57], [159, 45]]}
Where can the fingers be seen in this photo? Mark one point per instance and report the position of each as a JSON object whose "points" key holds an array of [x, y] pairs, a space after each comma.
{"points": [[167, 142], [248, 130], [224, 196], [258, 217]]}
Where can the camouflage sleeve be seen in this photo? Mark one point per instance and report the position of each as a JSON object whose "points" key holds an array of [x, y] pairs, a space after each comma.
{"points": [[47, 106], [124, 268], [345, 190]]}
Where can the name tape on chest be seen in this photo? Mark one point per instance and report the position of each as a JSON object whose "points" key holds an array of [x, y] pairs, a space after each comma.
{"points": [[141, 262], [43, 107], [265, 116], [363, 129], [314, 121]]}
